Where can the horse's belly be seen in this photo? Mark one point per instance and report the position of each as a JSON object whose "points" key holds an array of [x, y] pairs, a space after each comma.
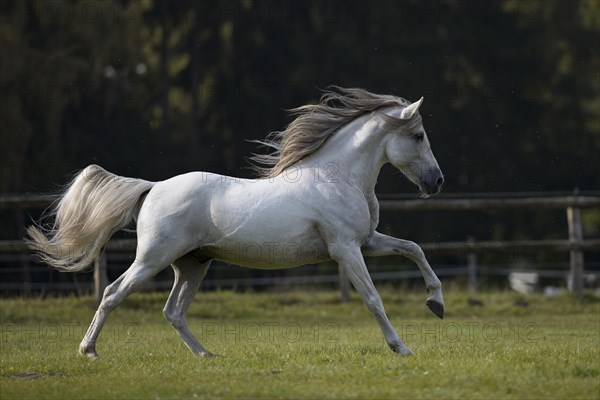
{"points": [[269, 253], [271, 243]]}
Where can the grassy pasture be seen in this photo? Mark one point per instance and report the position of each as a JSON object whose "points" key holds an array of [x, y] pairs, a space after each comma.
{"points": [[306, 345]]}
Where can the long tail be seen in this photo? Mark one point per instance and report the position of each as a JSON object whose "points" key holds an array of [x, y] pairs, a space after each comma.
{"points": [[92, 208]]}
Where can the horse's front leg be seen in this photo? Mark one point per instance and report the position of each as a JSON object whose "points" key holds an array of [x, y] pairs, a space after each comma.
{"points": [[383, 245], [353, 264]]}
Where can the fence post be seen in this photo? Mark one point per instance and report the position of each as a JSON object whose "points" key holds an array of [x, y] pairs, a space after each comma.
{"points": [[472, 267], [344, 283], [100, 277], [575, 237]]}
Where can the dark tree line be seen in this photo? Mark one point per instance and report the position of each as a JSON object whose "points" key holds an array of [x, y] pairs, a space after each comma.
{"points": [[155, 88]]}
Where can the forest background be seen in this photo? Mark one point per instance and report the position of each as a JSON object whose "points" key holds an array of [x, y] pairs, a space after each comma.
{"points": [[152, 89]]}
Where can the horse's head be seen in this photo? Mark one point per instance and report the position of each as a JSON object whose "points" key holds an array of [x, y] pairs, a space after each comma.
{"points": [[408, 149]]}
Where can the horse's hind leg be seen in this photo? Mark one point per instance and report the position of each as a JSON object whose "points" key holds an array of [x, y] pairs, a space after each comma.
{"points": [[114, 294], [189, 272]]}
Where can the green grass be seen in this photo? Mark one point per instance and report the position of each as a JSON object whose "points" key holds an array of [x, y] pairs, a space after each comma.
{"points": [[306, 345]]}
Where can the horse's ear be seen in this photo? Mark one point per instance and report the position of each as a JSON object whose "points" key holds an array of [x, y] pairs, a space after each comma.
{"points": [[411, 110]]}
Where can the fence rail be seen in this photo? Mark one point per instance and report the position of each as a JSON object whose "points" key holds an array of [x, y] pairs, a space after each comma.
{"points": [[491, 204], [35, 201], [575, 244], [450, 248]]}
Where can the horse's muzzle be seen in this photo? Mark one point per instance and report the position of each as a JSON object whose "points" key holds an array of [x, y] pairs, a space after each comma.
{"points": [[432, 182]]}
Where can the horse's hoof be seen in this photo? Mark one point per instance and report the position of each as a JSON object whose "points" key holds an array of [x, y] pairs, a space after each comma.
{"points": [[88, 350], [92, 355], [401, 350], [405, 351], [436, 307]]}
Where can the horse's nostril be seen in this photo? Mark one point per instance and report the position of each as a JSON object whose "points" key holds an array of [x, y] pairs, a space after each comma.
{"points": [[440, 181]]}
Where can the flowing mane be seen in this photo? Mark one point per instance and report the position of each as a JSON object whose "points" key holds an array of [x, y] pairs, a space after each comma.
{"points": [[314, 123]]}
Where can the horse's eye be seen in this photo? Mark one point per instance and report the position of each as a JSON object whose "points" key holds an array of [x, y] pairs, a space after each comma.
{"points": [[419, 136]]}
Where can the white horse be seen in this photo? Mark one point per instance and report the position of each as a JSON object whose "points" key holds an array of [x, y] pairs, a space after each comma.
{"points": [[314, 202]]}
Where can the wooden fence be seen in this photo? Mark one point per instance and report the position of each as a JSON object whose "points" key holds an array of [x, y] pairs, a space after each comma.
{"points": [[575, 243]]}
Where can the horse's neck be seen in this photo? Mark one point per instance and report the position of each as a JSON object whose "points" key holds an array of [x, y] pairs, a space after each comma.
{"points": [[356, 152]]}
